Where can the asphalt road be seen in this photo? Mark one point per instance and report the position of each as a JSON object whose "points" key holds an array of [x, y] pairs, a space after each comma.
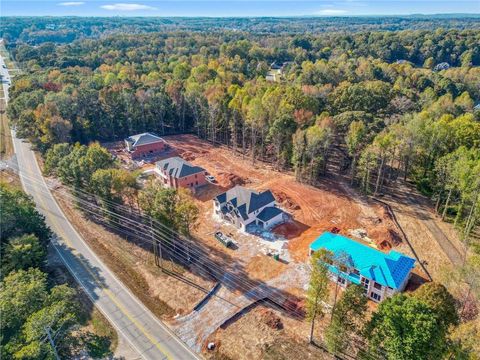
{"points": [[140, 328], [5, 79]]}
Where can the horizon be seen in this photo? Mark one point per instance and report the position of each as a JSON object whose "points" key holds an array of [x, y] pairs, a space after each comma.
{"points": [[238, 8], [249, 17]]}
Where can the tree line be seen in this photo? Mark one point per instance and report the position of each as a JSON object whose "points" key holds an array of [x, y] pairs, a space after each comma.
{"points": [[32, 303], [92, 169], [370, 104], [37, 30]]}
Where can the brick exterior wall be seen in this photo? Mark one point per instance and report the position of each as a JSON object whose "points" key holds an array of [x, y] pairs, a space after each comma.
{"points": [[190, 182], [148, 150]]}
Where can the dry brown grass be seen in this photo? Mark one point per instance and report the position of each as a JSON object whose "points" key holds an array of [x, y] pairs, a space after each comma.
{"points": [[6, 145], [254, 336], [163, 295]]}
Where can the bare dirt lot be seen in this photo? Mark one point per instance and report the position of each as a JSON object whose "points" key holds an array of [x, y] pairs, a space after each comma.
{"points": [[314, 209], [265, 333], [332, 205]]}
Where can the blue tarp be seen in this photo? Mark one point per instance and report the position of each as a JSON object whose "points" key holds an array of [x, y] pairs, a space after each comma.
{"points": [[388, 269]]}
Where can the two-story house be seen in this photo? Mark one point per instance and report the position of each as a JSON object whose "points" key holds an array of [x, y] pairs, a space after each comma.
{"points": [[144, 145], [243, 207], [175, 172], [381, 274]]}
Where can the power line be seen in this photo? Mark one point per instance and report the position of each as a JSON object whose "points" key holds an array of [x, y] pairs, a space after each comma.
{"points": [[155, 235], [178, 248], [233, 281]]}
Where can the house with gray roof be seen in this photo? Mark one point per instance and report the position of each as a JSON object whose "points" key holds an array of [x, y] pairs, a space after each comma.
{"points": [[144, 145], [176, 172], [245, 207]]}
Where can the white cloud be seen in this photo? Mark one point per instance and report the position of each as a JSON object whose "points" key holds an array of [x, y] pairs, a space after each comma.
{"points": [[332, 12], [72, 3], [127, 7]]}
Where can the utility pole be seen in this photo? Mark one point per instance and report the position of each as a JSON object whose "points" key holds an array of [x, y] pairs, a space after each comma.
{"points": [[52, 342], [157, 247]]}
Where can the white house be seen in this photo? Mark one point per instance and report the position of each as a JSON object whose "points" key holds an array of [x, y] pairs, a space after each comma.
{"points": [[274, 75], [244, 207], [380, 274]]}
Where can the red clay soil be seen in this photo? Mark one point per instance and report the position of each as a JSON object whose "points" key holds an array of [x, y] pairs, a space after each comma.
{"points": [[229, 180], [269, 318], [314, 209], [285, 201]]}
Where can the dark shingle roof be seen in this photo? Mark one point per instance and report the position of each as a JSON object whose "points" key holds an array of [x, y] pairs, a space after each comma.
{"points": [[177, 167], [269, 213], [246, 200], [144, 139]]}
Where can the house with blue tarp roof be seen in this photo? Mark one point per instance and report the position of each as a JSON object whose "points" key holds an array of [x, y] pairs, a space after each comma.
{"points": [[381, 274]]}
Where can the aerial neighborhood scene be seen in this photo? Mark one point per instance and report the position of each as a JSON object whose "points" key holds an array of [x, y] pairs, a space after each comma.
{"points": [[240, 180]]}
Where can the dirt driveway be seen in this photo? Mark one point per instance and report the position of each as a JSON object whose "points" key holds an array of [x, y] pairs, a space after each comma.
{"points": [[433, 239]]}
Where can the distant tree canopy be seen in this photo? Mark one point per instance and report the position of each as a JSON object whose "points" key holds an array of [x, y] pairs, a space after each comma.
{"points": [[372, 100], [348, 98]]}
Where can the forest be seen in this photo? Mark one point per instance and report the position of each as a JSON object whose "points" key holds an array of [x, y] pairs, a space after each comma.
{"points": [[376, 99], [350, 100], [34, 30], [34, 302]]}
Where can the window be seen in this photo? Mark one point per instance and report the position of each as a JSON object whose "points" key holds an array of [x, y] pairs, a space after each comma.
{"points": [[375, 296], [377, 286], [341, 280], [356, 272]]}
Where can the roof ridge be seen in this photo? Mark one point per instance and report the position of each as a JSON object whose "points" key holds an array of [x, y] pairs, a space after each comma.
{"points": [[379, 266]]}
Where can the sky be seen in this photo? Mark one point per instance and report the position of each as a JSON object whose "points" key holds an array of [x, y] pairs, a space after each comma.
{"points": [[234, 8]]}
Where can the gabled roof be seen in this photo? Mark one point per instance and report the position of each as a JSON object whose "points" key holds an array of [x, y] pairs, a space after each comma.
{"points": [[275, 66], [269, 213], [245, 200], [389, 269], [144, 139], [177, 167]]}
